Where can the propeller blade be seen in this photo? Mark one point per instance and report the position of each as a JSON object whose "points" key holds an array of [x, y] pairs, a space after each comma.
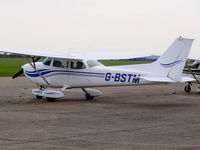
{"points": [[18, 74], [21, 71]]}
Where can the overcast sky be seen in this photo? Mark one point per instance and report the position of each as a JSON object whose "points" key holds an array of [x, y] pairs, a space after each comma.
{"points": [[99, 25]]}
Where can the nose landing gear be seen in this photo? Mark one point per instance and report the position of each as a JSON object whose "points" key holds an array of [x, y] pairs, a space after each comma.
{"points": [[50, 95]]}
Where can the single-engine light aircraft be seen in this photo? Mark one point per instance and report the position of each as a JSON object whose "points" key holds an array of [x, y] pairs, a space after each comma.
{"points": [[66, 71], [192, 70]]}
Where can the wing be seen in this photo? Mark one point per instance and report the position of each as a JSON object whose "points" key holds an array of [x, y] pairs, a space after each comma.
{"points": [[158, 79], [39, 53], [166, 79], [73, 55]]}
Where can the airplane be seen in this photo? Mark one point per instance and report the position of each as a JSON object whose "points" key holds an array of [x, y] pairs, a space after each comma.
{"points": [[65, 71], [192, 70]]}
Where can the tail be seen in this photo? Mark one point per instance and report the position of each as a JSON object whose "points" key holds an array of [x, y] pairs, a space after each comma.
{"points": [[172, 62], [169, 66]]}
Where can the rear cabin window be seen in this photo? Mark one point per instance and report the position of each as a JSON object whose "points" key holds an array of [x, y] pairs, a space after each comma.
{"points": [[77, 65], [93, 63]]}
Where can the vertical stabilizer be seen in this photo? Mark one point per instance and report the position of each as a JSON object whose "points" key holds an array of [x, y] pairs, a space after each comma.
{"points": [[172, 62]]}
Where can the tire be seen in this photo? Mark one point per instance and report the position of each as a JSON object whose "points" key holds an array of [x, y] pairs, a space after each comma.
{"points": [[89, 97], [49, 99], [187, 88], [38, 97]]}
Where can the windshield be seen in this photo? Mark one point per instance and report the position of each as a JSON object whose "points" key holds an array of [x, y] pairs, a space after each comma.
{"points": [[47, 61]]}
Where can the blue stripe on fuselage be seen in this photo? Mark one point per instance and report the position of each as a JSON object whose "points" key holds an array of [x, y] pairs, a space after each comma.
{"points": [[46, 71]]}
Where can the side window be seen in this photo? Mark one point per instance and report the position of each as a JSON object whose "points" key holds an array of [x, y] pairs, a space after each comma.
{"points": [[93, 63], [63, 63], [47, 61], [77, 65]]}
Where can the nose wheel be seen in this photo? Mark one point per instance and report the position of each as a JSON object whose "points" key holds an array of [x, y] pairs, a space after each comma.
{"points": [[50, 95], [38, 97], [188, 87], [42, 87], [50, 99]]}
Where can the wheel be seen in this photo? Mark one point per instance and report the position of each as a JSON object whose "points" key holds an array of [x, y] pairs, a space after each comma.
{"points": [[187, 88], [42, 87], [38, 97], [89, 97], [49, 99]]}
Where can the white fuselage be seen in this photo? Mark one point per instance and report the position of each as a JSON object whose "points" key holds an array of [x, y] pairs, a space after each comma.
{"points": [[88, 77]]}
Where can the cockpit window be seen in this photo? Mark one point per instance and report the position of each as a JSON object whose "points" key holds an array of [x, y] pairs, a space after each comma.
{"points": [[77, 65], [93, 63], [63, 63], [47, 61]]}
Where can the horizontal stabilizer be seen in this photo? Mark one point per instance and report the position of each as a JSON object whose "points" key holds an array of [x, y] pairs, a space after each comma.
{"points": [[158, 79], [187, 79], [166, 79]]}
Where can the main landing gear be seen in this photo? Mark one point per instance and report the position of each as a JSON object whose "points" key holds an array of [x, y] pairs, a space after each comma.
{"points": [[88, 96], [188, 87], [90, 93]]}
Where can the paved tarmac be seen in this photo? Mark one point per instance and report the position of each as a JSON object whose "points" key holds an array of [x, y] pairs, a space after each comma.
{"points": [[124, 118]]}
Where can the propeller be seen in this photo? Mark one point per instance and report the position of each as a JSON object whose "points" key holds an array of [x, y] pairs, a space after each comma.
{"points": [[20, 72]]}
